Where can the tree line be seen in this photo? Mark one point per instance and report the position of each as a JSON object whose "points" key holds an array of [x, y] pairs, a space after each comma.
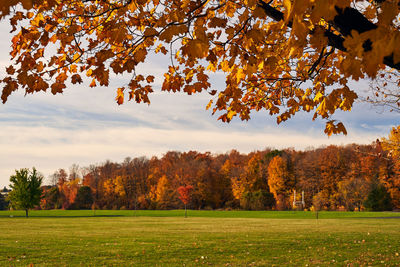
{"points": [[352, 177]]}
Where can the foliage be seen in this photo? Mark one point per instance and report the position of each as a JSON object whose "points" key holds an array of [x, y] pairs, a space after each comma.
{"points": [[280, 181], [25, 189], [282, 56], [258, 200], [392, 143], [3, 202], [378, 199], [391, 153], [353, 192], [184, 193], [84, 198], [50, 198], [164, 193]]}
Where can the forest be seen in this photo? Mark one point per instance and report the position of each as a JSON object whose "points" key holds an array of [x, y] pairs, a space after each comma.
{"points": [[351, 177]]}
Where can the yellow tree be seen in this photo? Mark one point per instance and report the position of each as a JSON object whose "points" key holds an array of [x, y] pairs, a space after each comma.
{"points": [[282, 56], [280, 181], [392, 143], [392, 146], [163, 193]]}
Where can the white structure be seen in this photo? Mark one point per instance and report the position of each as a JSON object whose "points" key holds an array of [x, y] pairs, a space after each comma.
{"points": [[297, 204]]}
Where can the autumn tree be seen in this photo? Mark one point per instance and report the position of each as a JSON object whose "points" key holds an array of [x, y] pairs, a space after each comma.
{"points": [[62, 175], [392, 143], [25, 189], [391, 146], [308, 172], [280, 181], [50, 198], [334, 165], [164, 193], [353, 192], [185, 195], [282, 56]]}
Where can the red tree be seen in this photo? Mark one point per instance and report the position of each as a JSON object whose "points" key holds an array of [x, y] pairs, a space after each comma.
{"points": [[185, 195]]}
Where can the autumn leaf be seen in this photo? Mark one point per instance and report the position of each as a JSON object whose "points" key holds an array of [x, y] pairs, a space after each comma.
{"points": [[10, 70], [120, 96], [57, 88]]}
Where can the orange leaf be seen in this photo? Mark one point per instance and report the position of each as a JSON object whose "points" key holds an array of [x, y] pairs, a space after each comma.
{"points": [[10, 70]]}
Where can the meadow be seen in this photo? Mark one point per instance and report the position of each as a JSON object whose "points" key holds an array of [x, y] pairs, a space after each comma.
{"points": [[216, 238]]}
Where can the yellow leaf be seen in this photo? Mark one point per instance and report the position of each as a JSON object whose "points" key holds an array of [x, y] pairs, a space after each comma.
{"points": [[76, 57], [93, 83], [318, 96], [240, 75], [120, 96], [209, 104]]}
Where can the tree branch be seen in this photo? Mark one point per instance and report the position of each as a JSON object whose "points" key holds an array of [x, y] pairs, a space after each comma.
{"points": [[345, 21]]}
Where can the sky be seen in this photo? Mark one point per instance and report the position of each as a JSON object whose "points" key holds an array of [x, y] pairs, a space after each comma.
{"points": [[86, 126]]}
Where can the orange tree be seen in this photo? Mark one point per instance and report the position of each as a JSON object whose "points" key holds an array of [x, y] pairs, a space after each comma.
{"points": [[185, 195], [282, 56]]}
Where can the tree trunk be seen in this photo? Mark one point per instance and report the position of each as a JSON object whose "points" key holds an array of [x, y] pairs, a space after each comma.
{"points": [[26, 213], [185, 212]]}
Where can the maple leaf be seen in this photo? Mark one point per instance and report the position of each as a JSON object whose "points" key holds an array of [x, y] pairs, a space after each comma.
{"points": [[57, 88], [10, 70]]}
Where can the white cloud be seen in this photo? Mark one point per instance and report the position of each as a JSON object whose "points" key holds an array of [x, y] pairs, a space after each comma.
{"points": [[49, 148]]}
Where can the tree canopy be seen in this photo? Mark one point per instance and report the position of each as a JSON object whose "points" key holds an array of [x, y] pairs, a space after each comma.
{"points": [[282, 56], [26, 192]]}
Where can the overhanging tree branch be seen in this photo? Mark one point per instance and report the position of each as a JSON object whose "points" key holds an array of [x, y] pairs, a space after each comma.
{"points": [[346, 20]]}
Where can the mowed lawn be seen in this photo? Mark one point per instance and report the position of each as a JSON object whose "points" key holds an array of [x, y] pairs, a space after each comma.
{"points": [[216, 238]]}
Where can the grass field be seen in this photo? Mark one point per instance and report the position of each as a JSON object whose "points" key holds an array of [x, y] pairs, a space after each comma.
{"points": [[216, 238]]}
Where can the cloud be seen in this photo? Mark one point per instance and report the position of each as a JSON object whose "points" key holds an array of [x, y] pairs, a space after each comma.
{"points": [[49, 148]]}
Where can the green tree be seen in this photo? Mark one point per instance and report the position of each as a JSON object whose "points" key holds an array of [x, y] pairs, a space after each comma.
{"points": [[84, 198], [25, 189], [378, 199], [3, 202]]}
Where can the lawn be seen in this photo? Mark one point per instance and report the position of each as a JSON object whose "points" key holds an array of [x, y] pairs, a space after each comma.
{"points": [[217, 238]]}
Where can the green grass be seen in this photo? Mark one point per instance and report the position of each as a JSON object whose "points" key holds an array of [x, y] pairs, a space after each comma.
{"points": [[199, 213], [216, 238]]}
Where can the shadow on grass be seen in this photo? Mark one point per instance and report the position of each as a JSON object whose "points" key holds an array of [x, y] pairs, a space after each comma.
{"points": [[389, 217]]}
